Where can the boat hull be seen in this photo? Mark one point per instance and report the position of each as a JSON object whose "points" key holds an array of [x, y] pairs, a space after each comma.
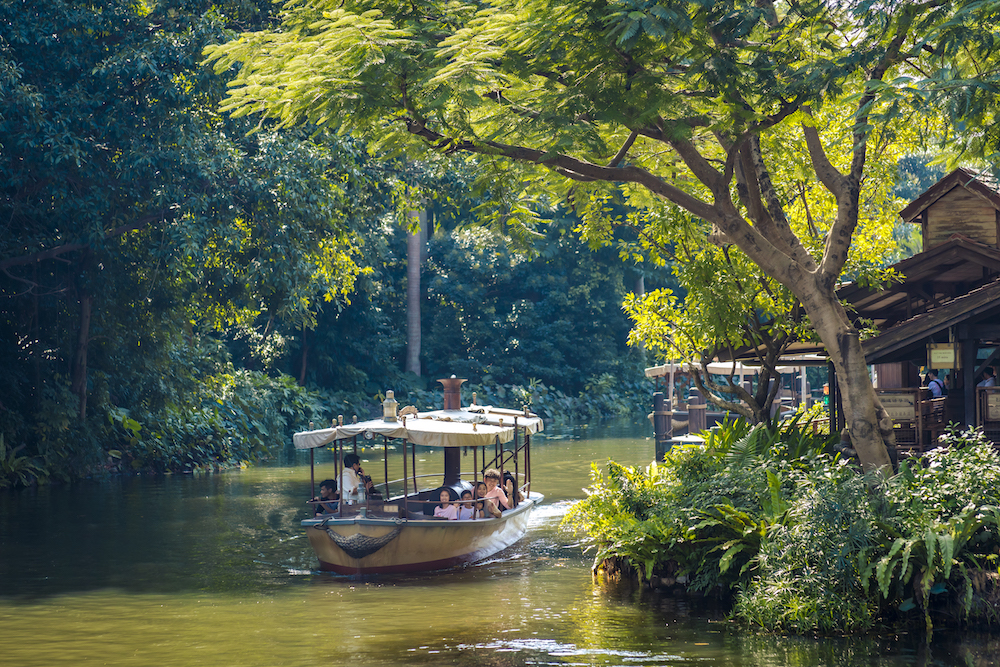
{"points": [[360, 545]]}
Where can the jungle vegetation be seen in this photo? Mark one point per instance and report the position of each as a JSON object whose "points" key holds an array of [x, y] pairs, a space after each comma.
{"points": [[772, 518], [701, 105], [181, 289]]}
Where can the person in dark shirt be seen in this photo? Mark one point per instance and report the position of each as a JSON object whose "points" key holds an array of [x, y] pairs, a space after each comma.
{"points": [[328, 497]]}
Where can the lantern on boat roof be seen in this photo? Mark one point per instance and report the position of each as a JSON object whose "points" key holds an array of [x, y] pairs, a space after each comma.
{"points": [[389, 406]]}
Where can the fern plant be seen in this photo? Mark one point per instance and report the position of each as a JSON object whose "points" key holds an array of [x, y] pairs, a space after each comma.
{"points": [[16, 470]]}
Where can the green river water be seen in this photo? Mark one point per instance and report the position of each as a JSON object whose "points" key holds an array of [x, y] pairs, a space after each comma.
{"points": [[215, 570]]}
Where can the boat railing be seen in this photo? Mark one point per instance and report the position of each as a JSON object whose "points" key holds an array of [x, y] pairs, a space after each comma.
{"points": [[398, 507], [473, 476]]}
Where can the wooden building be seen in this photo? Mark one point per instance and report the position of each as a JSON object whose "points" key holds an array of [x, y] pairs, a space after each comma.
{"points": [[945, 313]]}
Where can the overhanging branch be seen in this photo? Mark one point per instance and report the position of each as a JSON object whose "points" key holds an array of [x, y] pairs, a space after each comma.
{"points": [[52, 253]]}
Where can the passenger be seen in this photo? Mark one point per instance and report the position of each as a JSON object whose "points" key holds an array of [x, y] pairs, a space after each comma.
{"points": [[466, 510], [327, 492], [494, 492], [510, 486], [446, 510], [989, 378], [351, 483], [485, 508]]}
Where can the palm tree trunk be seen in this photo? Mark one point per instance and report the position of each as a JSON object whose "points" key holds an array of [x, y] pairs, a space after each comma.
{"points": [[414, 254]]}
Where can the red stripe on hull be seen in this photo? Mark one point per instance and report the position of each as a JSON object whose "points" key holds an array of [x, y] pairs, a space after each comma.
{"points": [[442, 564]]}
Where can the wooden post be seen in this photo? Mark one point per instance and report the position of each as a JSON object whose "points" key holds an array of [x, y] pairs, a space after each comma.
{"points": [[697, 409], [517, 480], [406, 491], [527, 462], [662, 426], [385, 459], [338, 459], [968, 353]]}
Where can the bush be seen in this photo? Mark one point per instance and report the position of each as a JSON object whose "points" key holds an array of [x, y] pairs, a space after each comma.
{"points": [[801, 540]]}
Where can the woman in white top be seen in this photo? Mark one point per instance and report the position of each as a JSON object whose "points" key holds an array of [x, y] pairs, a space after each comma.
{"points": [[352, 487]]}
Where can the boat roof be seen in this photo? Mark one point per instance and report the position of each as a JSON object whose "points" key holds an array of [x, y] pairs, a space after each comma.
{"points": [[474, 426]]}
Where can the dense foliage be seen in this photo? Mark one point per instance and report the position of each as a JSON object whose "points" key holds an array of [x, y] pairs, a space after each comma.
{"points": [[764, 120], [548, 315], [794, 534], [181, 289]]}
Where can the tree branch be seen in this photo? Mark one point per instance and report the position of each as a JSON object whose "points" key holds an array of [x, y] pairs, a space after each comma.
{"points": [[571, 167], [620, 155], [776, 211], [833, 180], [52, 253]]}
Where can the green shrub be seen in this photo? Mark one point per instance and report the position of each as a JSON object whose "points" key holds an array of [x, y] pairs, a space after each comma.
{"points": [[803, 540], [805, 577], [16, 469]]}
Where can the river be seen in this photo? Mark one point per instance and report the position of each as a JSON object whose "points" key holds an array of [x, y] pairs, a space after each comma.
{"points": [[215, 570]]}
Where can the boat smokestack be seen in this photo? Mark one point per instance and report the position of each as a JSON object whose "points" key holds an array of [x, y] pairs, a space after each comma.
{"points": [[452, 456], [452, 392]]}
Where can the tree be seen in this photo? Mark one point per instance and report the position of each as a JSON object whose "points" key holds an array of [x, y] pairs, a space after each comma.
{"points": [[414, 260], [678, 100], [704, 324], [138, 223]]}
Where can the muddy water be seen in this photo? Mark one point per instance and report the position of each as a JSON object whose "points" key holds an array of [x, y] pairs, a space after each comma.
{"points": [[215, 570]]}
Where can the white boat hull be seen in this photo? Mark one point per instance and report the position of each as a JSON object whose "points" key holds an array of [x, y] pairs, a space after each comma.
{"points": [[360, 545]]}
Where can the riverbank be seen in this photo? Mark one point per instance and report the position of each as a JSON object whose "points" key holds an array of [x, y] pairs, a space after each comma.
{"points": [[192, 570], [231, 418], [799, 540]]}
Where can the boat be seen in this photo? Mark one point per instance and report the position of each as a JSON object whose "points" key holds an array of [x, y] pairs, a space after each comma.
{"points": [[398, 533]]}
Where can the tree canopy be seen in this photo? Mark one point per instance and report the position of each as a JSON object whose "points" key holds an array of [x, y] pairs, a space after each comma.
{"points": [[167, 271], [686, 101]]}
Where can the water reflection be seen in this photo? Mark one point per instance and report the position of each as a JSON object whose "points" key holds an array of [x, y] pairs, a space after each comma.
{"points": [[216, 571]]}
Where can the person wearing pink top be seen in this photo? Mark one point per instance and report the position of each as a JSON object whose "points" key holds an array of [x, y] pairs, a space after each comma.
{"points": [[446, 510], [493, 490], [485, 508]]}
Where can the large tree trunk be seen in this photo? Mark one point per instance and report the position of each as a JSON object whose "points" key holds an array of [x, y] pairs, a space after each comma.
{"points": [[868, 423], [78, 383], [414, 254], [305, 356]]}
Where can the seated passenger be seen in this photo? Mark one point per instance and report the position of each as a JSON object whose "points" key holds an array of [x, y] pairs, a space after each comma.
{"points": [[328, 497], [494, 491], [487, 507], [479, 509], [466, 510], [351, 484], [510, 487], [446, 510]]}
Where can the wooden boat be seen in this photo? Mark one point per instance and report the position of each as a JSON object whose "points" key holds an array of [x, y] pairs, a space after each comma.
{"points": [[397, 534]]}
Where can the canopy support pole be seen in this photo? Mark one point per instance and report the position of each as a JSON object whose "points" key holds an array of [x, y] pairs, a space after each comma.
{"points": [[385, 459], [406, 490]]}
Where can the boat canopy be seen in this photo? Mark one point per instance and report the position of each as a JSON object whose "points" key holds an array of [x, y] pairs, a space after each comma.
{"points": [[475, 426]]}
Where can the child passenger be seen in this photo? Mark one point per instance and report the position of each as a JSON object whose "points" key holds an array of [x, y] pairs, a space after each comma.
{"points": [[487, 507], [465, 510], [446, 510]]}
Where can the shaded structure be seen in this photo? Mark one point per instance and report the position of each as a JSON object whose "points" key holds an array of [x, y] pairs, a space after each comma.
{"points": [[943, 314]]}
